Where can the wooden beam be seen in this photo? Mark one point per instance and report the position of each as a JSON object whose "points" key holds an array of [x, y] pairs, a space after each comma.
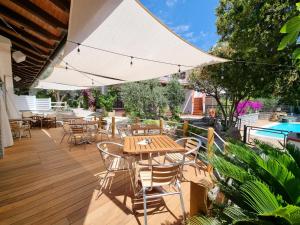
{"points": [[30, 51], [19, 65], [24, 72], [29, 61], [28, 37], [33, 55], [29, 70], [18, 20], [40, 13], [64, 5], [20, 41]]}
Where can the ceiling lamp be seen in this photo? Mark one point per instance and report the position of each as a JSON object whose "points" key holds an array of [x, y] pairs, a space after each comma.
{"points": [[17, 79], [18, 56]]}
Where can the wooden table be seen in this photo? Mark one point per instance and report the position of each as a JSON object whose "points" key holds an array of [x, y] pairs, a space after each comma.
{"points": [[159, 144]]}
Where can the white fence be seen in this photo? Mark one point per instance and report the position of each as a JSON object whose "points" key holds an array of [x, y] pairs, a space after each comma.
{"points": [[31, 103]]}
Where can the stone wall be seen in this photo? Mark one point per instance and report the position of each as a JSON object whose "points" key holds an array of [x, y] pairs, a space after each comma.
{"points": [[248, 119]]}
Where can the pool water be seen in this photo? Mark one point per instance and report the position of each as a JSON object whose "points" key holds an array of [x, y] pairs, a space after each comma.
{"points": [[294, 127]]}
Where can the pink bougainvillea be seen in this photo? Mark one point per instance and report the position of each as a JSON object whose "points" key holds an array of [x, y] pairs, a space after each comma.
{"points": [[246, 106]]}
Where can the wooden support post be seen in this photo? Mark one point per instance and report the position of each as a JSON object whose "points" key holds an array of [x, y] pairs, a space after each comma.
{"points": [[198, 199], [210, 144], [226, 148], [100, 125], [185, 128], [161, 126], [113, 126]]}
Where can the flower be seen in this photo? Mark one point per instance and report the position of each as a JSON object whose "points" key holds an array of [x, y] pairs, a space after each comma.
{"points": [[246, 106]]}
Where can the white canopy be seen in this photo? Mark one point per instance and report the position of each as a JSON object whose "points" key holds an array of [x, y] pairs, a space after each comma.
{"points": [[57, 86], [109, 33]]}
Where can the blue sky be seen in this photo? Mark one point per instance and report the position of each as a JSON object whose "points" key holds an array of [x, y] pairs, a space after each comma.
{"points": [[194, 20]]}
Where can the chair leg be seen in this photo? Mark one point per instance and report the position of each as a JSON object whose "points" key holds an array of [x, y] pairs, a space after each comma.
{"points": [[145, 206], [29, 133], [62, 138], [101, 185], [181, 201]]}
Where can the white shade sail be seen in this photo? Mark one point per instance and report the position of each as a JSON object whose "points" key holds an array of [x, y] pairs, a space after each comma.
{"points": [[57, 86], [127, 28]]}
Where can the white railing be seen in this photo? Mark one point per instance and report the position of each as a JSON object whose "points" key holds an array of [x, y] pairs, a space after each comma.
{"points": [[59, 105]]}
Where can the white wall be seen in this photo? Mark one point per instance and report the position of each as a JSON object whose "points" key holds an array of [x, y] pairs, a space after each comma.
{"points": [[6, 75]]}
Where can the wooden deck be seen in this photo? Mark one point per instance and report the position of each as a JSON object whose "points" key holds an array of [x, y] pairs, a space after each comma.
{"points": [[42, 182]]}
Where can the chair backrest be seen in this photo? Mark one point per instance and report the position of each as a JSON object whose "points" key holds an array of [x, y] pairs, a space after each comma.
{"points": [[15, 125], [66, 127], [26, 114], [107, 156], [192, 146], [77, 129], [165, 174], [123, 130]]}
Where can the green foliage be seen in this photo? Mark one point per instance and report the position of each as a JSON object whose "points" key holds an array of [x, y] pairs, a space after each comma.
{"points": [[203, 221], [270, 103], [176, 96], [144, 99], [265, 187], [96, 93], [42, 93], [249, 35], [107, 100]]}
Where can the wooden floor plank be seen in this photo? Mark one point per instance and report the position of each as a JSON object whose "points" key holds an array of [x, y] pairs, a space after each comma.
{"points": [[42, 182]]}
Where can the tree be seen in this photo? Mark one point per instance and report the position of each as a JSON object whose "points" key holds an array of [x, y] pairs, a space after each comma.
{"points": [[146, 99], [249, 36], [291, 31], [262, 185], [108, 100], [175, 96]]}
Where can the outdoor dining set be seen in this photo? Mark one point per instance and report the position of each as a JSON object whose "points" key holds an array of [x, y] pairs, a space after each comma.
{"points": [[152, 159]]}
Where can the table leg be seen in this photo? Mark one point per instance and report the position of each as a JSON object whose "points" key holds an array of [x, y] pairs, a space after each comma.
{"points": [[150, 159]]}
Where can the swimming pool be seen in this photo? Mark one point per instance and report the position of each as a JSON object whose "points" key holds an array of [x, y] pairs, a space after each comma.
{"points": [[294, 127]]}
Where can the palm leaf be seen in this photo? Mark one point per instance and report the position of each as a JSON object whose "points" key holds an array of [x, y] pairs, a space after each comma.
{"points": [[284, 177], [294, 152], [259, 197], [268, 166], [282, 157], [200, 220], [235, 213], [289, 213], [230, 170]]}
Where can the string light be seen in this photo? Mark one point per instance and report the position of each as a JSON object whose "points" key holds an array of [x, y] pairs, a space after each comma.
{"points": [[222, 77], [78, 49], [179, 70], [262, 79], [131, 58], [66, 66], [92, 82]]}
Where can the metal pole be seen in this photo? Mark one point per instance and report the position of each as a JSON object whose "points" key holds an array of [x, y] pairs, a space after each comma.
{"points": [[245, 134]]}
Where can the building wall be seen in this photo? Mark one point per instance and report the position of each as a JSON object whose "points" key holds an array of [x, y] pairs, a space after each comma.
{"points": [[187, 106]]}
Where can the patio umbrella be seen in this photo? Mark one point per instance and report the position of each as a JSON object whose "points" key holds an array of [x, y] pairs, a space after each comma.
{"points": [[119, 41]]}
